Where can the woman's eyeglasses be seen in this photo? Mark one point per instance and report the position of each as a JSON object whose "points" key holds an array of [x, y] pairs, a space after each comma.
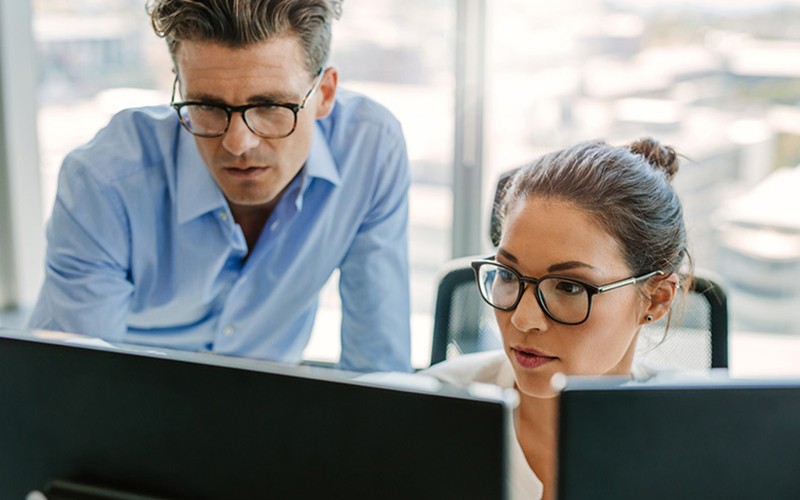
{"points": [[563, 299]]}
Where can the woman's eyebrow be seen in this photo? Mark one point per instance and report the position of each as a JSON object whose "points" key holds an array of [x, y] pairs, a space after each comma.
{"points": [[569, 265], [554, 268], [507, 255]]}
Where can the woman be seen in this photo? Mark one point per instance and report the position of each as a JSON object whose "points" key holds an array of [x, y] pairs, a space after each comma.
{"points": [[592, 244]]}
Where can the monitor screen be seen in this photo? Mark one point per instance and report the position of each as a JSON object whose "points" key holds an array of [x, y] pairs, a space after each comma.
{"points": [[716, 439], [117, 422]]}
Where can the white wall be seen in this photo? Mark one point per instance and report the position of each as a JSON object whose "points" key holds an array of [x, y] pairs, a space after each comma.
{"points": [[21, 230]]}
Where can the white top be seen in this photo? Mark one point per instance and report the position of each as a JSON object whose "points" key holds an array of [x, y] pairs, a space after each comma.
{"points": [[493, 367]]}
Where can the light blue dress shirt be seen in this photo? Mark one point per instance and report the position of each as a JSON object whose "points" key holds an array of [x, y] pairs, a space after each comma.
{"points": [[142, 246]]}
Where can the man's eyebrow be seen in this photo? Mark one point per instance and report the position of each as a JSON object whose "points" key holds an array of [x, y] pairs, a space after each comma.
{"points": [[256, 99], [205, 98], [275, 98]]}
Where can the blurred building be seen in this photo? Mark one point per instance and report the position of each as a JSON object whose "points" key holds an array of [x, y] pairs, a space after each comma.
{"points": [[759, 252]]}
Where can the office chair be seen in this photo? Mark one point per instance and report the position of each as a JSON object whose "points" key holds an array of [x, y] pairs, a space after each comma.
{"points": [[463, 322], [698, 329], [697, 337]]}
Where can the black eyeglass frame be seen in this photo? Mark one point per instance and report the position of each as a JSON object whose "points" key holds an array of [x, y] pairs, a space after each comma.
{"points": [[591, 290], [229, 110]]}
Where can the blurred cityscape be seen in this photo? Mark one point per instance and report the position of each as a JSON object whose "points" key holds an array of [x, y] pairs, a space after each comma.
{"points": [[718, 80]]}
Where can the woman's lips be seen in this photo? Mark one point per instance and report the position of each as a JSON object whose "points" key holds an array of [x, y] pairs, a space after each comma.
{"points": [[530, 358]]}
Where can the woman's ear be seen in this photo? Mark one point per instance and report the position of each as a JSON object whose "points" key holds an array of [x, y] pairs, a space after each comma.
{"points": [[661, 294]]}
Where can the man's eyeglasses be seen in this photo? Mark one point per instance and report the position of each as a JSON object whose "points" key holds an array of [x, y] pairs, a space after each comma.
{"points": [[270, 120], [563, 299]]}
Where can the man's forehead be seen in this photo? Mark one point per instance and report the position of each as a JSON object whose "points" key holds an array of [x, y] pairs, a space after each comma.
{"points": [[280, 54], [269, 70]]}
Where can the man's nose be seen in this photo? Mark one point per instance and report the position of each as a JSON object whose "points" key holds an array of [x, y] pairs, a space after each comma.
{"points": [[239, 139]]}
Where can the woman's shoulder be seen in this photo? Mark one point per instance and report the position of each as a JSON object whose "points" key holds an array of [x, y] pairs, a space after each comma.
{"points": [[490, 367]]}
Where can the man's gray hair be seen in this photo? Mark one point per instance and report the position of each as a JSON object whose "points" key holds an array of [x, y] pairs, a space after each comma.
{"points": [[239, 23]]}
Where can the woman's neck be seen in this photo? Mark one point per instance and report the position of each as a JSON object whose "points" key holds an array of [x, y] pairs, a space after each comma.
{"points": [[537, 435]]}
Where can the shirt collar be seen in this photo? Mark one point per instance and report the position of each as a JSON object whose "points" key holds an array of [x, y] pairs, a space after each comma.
{"points": [[320, 163], [198, 193]]}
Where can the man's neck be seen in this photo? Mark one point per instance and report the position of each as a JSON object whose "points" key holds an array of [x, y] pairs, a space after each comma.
{"points": [[252, 220]]}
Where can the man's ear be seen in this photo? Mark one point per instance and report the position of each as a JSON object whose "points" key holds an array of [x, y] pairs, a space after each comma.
{"points": [[661, 294], [327, 91]]}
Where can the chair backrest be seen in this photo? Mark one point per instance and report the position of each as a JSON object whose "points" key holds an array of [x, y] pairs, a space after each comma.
{"points": [[697, 337], [698, 329], [463, 322]]}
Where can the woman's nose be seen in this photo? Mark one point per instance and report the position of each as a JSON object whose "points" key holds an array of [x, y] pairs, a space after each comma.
{"points": [[528, 315]]}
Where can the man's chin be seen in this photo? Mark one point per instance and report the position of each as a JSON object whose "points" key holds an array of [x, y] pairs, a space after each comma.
{"points": [[251, 200]]}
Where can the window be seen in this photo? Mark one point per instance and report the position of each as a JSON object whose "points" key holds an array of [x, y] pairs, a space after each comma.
{"points": [[715, 79]]}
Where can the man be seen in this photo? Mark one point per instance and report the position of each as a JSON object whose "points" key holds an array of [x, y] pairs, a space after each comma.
{"points": [[213, 224]]}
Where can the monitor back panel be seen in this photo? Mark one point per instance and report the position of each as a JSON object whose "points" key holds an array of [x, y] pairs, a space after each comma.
{"points": [[722, 442], [182, 430]]}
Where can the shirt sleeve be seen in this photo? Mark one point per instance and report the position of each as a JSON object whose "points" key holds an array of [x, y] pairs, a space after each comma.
{"points": [[87, 289], [374, 277]]}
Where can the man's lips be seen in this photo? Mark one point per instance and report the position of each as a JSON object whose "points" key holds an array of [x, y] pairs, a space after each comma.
{"points": [[244, 172], [530, 358]]}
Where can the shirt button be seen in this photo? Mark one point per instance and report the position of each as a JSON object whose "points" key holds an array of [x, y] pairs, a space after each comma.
{"points": [[228, 331], [223, 216]]}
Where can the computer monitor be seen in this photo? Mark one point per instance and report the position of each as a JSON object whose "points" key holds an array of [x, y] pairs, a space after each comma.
{"points": [[715, 439], [79, 421]]}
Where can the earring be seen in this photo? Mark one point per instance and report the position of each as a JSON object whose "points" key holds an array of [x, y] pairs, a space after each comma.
{"points": [[649, 318]]}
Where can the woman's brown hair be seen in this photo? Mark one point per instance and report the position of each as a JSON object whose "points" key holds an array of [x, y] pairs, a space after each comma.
{"points": [[628, 192]]}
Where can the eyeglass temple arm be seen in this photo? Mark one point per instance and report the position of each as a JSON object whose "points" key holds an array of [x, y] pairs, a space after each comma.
{"points": [[317, 81], [629, 281]]}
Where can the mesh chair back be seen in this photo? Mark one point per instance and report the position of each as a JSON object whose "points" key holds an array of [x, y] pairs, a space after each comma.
{"points": [[697, 336], [463, 322]]}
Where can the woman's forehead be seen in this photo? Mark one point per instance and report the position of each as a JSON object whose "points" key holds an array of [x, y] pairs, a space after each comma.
{"points": [[542, 232]]}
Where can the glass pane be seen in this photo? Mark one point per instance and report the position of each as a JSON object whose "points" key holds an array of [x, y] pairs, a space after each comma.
{"points": [[97, 57], [401, 54]]}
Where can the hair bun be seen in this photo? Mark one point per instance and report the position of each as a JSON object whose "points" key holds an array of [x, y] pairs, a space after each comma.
{"points": [[659, 156]]}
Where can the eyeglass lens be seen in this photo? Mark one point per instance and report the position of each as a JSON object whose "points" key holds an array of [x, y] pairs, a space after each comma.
{"points": [[266, 121], [563, 299]]}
